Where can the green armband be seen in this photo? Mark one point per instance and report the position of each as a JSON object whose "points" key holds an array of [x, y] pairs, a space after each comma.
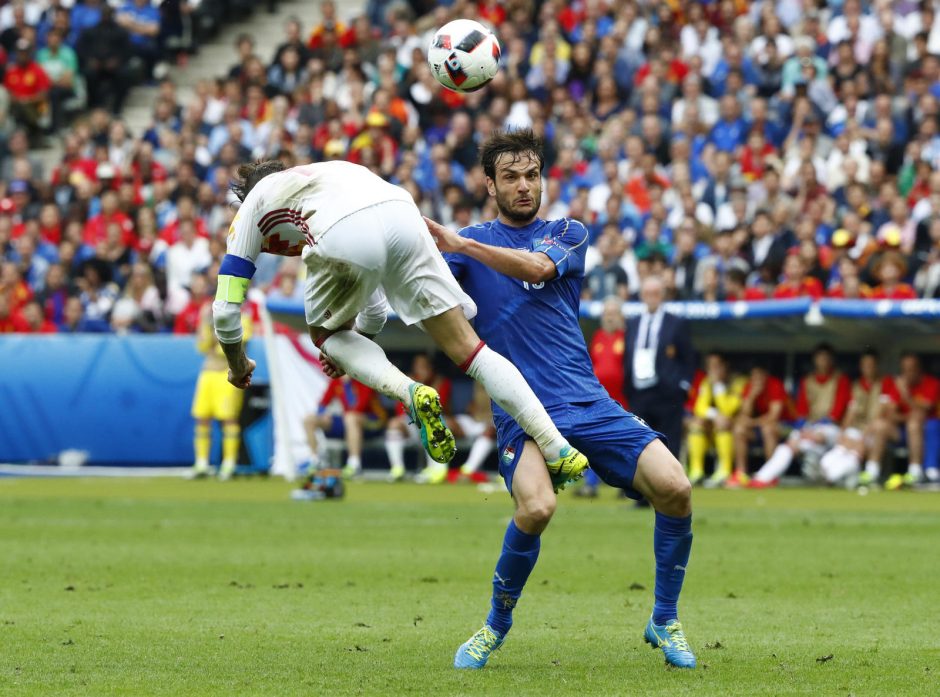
{"points": [[232, 289]]}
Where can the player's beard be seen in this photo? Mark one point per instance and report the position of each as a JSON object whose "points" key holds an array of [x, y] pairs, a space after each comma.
{"points": [[518, 214]]}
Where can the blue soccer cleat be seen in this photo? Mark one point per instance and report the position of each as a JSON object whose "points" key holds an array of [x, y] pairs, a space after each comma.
{"points": [[671, 639], [476, 651]]}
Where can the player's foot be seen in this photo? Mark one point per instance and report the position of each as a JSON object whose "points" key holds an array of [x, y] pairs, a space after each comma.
{"points": [[432, 474], [716, 481], [758, 484], [570, 467], [866, 478], [900, 481], [226, 470], [479, 477], [396, 473], [197, 472], [428, 414], [932, 475], [350, 471], [671, 639], [738, 480], [695, 478], [476, 651]]}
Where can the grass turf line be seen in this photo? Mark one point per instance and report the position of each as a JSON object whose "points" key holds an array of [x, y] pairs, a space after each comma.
{"points": [[167, 587]]}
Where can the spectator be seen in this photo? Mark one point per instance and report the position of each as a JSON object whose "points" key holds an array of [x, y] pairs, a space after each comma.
{"points": [[141, 20], [189, 254], [60, 63], [187, 321], [607, 278], [28, 86], [33, 321], [796, 283], [890, 269], [105, 50]]}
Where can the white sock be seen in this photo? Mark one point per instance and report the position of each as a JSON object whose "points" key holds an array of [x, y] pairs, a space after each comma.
{"points": [[354, 462], [479, 451], [505, 385], [873, 469], [916, 470], [776, 465], [395, 448], [933, 474], [202, 465], [365, 361]]}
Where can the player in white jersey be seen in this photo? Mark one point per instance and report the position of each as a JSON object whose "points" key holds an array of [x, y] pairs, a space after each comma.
{"points": [[366, 247]]}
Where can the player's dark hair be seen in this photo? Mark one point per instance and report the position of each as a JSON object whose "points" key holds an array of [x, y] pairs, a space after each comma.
{"points": [[516, 143], [871, 351], [824, 347], [253, 172]]}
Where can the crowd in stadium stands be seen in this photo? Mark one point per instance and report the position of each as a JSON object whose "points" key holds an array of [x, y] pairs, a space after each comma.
{"points": [[740, 150]]}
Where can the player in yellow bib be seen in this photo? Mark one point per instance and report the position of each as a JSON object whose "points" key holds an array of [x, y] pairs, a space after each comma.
{"points": [[216, 399]]}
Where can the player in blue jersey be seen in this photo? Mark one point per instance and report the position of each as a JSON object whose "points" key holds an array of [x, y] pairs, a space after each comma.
{"points": [[525, 276]]}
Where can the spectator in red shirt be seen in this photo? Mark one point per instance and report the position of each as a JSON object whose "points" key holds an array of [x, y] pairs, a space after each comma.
{"points": [[33, 321], [185, 211], [764, 407], [735, 288], [96, 229], [821, 402], [755, 155], [796, 284], [187, 321], [890, 270], [606, 348], [10, 321], [913, 404], [28, 86]]}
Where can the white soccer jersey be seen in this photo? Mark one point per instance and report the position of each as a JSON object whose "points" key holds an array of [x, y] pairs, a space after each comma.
{"points": [[290, 209]]}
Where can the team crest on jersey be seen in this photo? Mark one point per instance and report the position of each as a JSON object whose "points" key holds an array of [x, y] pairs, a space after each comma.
{"points": [[509, 454]]}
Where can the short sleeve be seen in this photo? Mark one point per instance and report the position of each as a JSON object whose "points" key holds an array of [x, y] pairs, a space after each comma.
{"points": [[566, 245], [458, 262], [244, 237]]}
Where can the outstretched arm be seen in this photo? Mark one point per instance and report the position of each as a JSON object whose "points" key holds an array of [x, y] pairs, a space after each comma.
{"points": [[533, 267]]}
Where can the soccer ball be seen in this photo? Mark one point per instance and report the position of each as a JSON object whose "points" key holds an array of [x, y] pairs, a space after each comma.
{"points": [[464, 55]]}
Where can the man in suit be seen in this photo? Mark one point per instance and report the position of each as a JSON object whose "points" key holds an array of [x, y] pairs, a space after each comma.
{"points": [[659, 364]]}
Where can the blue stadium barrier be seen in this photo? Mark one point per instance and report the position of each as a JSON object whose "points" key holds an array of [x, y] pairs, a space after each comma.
{"points": [[878, 309], [123, 399]]}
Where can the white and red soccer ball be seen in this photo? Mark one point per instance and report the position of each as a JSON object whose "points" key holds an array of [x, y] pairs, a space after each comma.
{"points": [[464, 55]]}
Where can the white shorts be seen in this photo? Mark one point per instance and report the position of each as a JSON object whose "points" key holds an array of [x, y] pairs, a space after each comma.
{"points": [[383, 246]]}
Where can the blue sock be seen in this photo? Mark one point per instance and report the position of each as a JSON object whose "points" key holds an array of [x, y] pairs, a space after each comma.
{"points": [[672, 542], [591, 479], [520, 552]]}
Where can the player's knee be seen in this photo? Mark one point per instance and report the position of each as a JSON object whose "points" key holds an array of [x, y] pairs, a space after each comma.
{"points": [[538, 511], [674, 496]]}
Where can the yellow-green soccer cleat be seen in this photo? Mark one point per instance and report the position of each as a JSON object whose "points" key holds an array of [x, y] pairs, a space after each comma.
{"points": [[476, 651], [671, 639], [428, 414], [570, 467]]}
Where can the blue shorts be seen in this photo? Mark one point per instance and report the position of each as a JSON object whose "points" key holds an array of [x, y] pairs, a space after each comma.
{"points": [[611, 437]]}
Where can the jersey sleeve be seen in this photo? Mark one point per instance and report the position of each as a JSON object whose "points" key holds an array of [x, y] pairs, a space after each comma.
{"points": [[566, 245], [242, 251]]}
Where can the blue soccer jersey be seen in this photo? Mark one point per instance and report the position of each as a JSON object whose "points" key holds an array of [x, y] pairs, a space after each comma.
{"points": [[534, 325]]}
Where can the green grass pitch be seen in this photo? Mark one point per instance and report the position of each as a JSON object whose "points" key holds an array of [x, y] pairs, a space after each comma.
{"points": [[158, 587]]}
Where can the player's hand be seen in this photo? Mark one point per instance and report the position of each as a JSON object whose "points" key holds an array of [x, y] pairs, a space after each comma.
{"points": [[331, 369], [446, 239], [242, 379]]}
